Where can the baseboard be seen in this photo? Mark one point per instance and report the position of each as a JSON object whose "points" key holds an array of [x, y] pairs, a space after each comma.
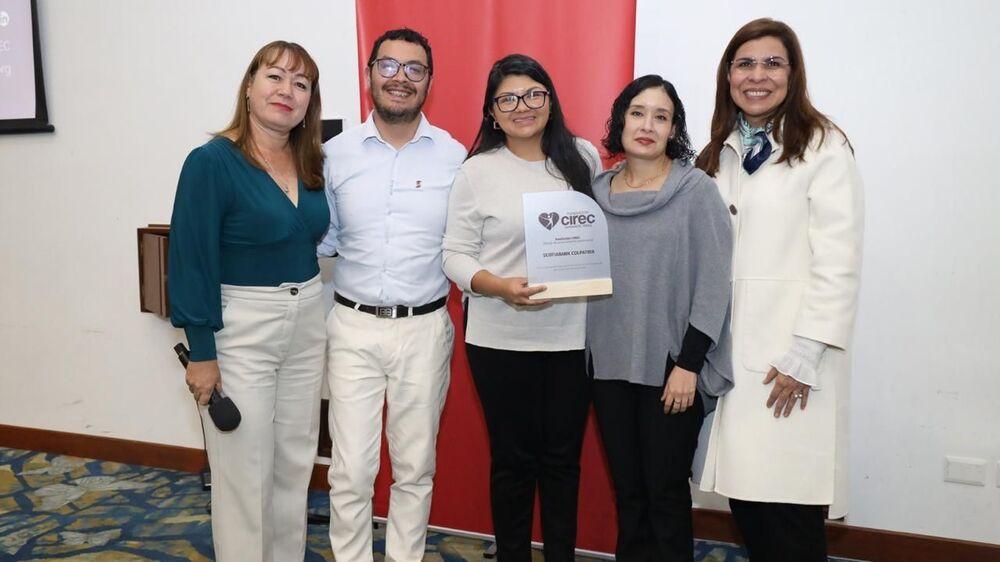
{"points": [[862, 543], [847, 541], [319, 480], [879, 545], [104, 448]]}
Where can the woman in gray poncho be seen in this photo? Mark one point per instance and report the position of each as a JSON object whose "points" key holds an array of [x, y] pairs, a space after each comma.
{"points": [[658, 347]]}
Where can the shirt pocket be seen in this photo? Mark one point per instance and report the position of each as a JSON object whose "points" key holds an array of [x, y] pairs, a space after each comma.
{"points": [[423, 181], [423, 198]]}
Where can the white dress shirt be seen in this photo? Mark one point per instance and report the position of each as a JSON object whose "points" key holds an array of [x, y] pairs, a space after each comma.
{"points": [[388, 210]]}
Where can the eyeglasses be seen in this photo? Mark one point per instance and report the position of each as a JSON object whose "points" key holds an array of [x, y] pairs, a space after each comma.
{"points": [[389, 67], [534, 99], [746, 65]]}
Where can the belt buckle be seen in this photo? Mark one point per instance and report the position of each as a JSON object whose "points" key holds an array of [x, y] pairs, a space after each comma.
{"points": [[385, 312]]}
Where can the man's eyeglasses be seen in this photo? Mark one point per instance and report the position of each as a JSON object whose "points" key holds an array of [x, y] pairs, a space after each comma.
{"points": [[388, 67], [534, 99], [746, 65]]}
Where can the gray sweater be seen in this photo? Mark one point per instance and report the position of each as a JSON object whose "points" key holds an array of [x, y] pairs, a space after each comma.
{"points": [[486, 231], [671, 253]]}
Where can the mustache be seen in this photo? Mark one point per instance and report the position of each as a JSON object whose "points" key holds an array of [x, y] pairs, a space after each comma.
{"points": [[398, 86]]}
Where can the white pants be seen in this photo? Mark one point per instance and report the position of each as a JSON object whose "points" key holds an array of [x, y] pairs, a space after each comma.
{"points": [[270, 352], [403, 363]]}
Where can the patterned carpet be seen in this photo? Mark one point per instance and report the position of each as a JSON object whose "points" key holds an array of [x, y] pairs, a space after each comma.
{"points": [[56, 507]]}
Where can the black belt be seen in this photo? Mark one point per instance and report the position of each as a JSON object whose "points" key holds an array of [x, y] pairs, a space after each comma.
{"points": [[397, 311]]}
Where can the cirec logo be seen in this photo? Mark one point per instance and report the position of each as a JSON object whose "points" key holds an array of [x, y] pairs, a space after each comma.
{"points": [[548, 220], [573, 220], [4, 19]]}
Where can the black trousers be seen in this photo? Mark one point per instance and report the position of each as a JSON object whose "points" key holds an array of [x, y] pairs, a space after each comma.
{"points": [[781, 532], [536, 405], [649, 454]]}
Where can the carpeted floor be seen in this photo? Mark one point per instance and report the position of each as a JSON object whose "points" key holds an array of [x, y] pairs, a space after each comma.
{"points": [[56, 507]]}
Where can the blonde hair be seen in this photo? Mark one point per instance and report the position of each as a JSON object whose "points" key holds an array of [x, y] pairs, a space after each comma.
{"points": [[303, 139]]}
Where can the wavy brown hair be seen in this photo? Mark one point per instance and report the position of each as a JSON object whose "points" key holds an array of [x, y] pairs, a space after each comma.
{"points": [[795, 120], [304, 138]]}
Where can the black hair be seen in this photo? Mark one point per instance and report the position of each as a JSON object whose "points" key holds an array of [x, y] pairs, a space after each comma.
{"points": [[558, 143], [403, 34], [678, 147]]}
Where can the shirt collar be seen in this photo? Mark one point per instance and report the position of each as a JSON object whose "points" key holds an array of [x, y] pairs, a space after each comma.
{"points": [[370, 131], [734, 140]]}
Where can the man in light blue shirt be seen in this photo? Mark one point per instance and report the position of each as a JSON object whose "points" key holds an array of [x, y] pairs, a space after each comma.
{"points": [[390, 337]]}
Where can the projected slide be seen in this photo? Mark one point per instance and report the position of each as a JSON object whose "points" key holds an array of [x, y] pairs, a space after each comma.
{"points": [[22, 94]]}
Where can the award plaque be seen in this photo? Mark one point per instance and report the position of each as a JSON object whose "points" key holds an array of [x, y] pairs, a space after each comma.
{"points": [[566, 243]]}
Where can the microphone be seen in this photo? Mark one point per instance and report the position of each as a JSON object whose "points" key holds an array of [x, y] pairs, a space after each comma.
{"points": [[225, 415]]}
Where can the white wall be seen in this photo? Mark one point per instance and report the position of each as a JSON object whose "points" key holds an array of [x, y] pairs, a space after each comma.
{"points": [[914, 86], [132, 87]]}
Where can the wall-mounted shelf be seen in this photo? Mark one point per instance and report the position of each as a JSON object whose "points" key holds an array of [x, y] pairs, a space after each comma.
{"points": [[153, 241]]}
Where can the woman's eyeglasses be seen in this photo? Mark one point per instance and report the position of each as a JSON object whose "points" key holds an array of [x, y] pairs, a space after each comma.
{"points": [[746, 65], [534, 99]]}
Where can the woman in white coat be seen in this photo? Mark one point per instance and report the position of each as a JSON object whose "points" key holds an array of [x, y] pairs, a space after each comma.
{"points": [[778, 446]]}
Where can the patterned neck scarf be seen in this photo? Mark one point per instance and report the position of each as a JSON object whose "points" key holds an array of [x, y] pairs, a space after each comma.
{"points": [[756, 146], [750, 137]]}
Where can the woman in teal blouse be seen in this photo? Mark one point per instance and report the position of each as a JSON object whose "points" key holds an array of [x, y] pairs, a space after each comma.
{"points": [[244, 285]]}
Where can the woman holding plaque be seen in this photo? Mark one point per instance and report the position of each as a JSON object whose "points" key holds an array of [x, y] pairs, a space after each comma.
{"points": [[778, 447], [526, 356], [244, 284], [658, 347]]}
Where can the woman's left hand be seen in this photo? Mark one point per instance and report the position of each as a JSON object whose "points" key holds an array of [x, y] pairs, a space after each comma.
{"points": [[785, 392], [678, 394]]}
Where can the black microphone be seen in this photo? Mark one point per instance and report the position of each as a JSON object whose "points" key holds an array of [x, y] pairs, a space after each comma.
{"points": [[225, 415]]}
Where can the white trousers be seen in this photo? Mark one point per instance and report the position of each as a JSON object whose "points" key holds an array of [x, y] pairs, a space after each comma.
{"points": [[271, 352], [404, 364]]}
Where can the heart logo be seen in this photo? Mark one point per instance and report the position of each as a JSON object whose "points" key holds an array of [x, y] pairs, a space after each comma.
{"points": [[548, 220]]}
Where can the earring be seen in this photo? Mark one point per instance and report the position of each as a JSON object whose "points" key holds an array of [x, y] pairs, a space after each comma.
{"points": [[495, 124], [248, 103]]}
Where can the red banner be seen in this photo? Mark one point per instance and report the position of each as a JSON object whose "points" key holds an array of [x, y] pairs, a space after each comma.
{"points": [[587, 46]]}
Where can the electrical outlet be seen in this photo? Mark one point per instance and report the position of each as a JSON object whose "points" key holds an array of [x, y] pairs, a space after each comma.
{"points": [[965, 470]]}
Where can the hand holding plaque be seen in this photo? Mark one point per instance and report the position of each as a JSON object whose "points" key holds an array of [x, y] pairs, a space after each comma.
{"points": [[566, 245]]}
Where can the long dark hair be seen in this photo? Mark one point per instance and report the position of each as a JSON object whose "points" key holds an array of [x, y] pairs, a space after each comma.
{"points": [[678, 147], [305, 138], [558, 143], [795, 120]]}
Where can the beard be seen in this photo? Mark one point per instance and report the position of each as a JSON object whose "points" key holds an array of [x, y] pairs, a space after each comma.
{"points": [[394, 115]]}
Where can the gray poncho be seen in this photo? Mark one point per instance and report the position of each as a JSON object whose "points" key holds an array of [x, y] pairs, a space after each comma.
{"points": [[671, 265]]}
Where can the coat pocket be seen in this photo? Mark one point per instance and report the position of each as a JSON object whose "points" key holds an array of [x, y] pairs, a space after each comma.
{"points": [[768, 309]]}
